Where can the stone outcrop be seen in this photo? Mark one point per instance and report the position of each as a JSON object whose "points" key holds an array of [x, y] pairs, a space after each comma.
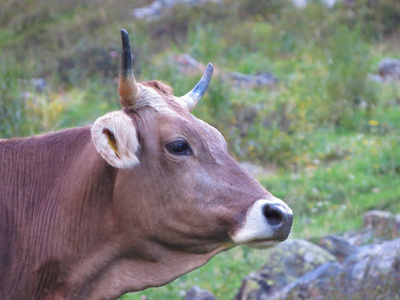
{"points": [[155, 10], [285, 264], [196, 293], [341, 267], [188, 65], [383, 224], [338, 246], [388, 70], [373, 272]]}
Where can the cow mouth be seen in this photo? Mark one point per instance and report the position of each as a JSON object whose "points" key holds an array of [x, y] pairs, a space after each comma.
{"points": [[262, 244]]}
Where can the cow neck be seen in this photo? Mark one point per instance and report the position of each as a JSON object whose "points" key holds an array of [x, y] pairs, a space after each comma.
{"points": [[89, 211], [62, 222]]}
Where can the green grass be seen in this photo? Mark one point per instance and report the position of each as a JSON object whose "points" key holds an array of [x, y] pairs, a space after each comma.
{"points": [[350, 175], [332, 134]]}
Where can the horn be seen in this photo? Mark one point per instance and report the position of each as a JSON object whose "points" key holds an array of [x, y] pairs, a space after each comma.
{"points": [[127, 87], [193, 97]]}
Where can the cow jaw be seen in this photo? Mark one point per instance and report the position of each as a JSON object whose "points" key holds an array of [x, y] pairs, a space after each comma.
{"points": [[135, 275], [267, 222]]}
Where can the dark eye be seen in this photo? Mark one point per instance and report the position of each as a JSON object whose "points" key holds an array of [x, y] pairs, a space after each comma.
{"points": [[179, 147]]}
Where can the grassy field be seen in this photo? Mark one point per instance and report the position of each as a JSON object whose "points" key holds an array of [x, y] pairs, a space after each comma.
{"points": [[330, 132]]}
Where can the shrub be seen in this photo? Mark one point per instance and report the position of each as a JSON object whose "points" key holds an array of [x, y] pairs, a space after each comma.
{"points": [[377, 18], [12, 102]]}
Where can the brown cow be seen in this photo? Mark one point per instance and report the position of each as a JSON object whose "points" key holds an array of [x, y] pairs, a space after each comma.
{"points": [[143, 196]]}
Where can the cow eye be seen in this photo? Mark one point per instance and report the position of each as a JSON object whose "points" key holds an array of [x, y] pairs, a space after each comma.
{"points": [[179, 147]]}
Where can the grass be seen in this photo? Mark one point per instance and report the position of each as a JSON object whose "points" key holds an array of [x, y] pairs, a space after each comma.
{"points": [[327, 196], [332, 133]]}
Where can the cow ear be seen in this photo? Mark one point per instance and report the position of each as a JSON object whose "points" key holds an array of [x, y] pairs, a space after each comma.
{"points": [[115, 138]]}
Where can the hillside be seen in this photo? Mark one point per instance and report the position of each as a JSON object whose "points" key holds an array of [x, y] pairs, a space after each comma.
{"points": [[326, 126]]}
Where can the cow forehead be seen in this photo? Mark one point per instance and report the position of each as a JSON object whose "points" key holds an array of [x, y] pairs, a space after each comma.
{"points": [[174, 107], [149, 97]]}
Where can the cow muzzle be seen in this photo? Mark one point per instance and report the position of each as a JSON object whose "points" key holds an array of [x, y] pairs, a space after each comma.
{"points": [[267, 222]]}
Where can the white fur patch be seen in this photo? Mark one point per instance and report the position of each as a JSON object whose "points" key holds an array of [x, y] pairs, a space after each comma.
{"points": [[256, 227], [127, 144], [149, 97]]}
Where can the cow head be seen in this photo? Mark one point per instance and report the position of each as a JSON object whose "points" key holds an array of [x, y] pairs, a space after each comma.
{"points": [[177, 188]]}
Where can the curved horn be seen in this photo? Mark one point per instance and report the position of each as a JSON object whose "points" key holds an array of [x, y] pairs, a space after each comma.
{"points": [[194, 96], [127, 88]]}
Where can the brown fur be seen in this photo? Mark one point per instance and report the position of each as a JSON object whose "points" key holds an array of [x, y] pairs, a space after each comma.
{"points": [[73, 227], [39, 177]]}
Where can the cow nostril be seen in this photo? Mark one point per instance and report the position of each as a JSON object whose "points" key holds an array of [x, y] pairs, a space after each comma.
{"points": [[273, 215]]}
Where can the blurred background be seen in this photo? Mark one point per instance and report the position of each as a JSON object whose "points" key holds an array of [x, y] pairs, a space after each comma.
{"points": [[306, 94]]}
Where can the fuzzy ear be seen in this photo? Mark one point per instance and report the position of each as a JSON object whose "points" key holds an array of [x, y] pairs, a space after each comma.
{"points": [[115, 138]]}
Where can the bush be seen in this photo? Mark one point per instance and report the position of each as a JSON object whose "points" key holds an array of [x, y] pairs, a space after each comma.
{"points": [[12, 102], [347, 81], [377, 18]]}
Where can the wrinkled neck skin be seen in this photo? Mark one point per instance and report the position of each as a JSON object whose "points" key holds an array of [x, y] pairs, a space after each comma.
{"points": [[130, 260], [76, 244], [130, 273]]}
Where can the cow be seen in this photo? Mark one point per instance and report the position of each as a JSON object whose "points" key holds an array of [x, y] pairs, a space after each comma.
{"points": [[141, 197]]}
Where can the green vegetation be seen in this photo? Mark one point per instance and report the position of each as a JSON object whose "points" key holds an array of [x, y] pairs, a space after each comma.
{"points": [[332, 133]]}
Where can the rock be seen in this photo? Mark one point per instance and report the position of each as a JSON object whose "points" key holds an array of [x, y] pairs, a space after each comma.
{"points": [[196, 293], [311, 285], [188, 65], [39, 84], [298, 269], [371, 273], [150, 12], [389, 68], [159, 7], [300, 3], [384, 224], [259, 80], [303, 3], [361, 237], [285, 264], [338, 246], [379, 226]]}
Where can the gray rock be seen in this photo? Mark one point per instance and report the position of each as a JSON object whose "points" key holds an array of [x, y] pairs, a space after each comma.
{"points": [[39, 84], [379, 226], [384, 224], [389, 68], [312, 284], [159, 7], [188, 65], [338, 246], [298, 269], [300, 3], [303, 3], [261, 79], [285, 264], [372, 273], [196, 293]]}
